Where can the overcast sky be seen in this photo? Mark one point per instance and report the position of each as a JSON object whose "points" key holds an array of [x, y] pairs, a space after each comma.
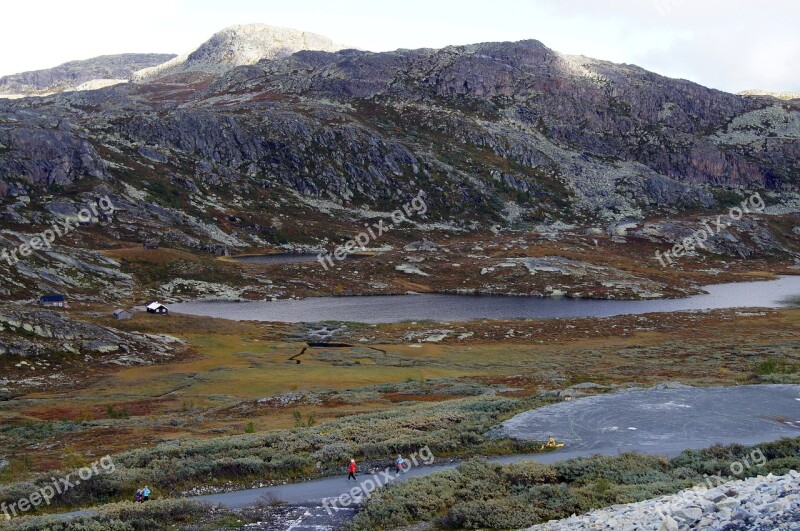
{"points": [[731, 45]]}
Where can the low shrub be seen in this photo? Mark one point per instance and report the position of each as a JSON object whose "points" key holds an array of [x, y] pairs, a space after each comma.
{"points": [[773, 366], [480, 495], [456, 427], [158, 514]]}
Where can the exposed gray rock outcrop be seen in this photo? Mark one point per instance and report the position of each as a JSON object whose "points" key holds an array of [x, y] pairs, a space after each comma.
{"points": [[762, 503], [495, 135], [511, 131], [36, 339], [54, 156], [79, 75], [240, 45]]}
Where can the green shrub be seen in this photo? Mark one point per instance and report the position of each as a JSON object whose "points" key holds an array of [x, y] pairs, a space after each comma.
{"points": [[113, 413], [460, 427], [773, 366], [481, 495], [493, 514], [531, 473], [156, 514]]}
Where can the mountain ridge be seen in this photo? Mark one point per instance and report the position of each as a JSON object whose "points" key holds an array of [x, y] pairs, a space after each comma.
{"points": [[600, 130], [294, 151], [73, 74]]}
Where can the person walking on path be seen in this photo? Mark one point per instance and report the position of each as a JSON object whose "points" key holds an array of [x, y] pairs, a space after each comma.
{"points": [[399, 463], [352, 470], [145, 494]]}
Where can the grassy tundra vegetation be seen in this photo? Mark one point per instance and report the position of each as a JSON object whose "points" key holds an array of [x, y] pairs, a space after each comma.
{"points": [[237, 409], [457, 427], [479, 495], [475, 495]]}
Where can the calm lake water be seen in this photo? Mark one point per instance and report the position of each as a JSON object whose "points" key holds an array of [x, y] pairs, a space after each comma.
{"points": [[391, 309], [665, 420]]}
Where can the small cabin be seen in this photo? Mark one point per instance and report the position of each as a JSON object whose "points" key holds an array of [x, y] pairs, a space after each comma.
{"points": [[57, 301], [157, 308], [150, 246], [122, 314]]}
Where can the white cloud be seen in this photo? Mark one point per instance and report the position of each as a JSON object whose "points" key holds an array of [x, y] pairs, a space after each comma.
{"points": [[731, 45]]}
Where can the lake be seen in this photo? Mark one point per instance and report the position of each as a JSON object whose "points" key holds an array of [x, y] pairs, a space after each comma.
{"points": [[665, 420], [390, 309]]}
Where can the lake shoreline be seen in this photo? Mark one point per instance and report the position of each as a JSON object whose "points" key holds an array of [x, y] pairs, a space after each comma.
{"points": [[444, 307]]}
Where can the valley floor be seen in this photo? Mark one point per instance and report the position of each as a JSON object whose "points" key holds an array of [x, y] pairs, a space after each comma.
{"points": [[234, 374], [237, 378]]}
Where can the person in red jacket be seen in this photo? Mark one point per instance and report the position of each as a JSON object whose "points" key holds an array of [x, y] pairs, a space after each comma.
{"points": [[352, 470]]}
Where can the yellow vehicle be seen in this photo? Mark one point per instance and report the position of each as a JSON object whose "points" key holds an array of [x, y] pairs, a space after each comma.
{"points": [[551, 443]]}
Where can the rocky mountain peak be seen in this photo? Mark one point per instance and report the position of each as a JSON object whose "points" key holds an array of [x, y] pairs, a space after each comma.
{"points": [[240, 45]]}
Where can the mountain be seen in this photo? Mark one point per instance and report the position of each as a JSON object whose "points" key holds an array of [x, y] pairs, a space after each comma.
{"points": [[502, 129], [779, 95], [300, 150], [240, 45], [79, 75]]}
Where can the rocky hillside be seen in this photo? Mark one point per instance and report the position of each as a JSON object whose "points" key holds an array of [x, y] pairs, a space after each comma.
{"points": [[79, 75], [240, 45], [764, 503], [303, 149], [510, 131], [779, 95], [59, 347]]}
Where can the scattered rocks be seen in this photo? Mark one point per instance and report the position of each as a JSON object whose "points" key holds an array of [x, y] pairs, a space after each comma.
{"points": [[428, 336], [762, 503], [424, 245], [180, 289], [39, 338], [622, 228], [411, 270], [588, 385], [556, 264], [292, 398]]}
